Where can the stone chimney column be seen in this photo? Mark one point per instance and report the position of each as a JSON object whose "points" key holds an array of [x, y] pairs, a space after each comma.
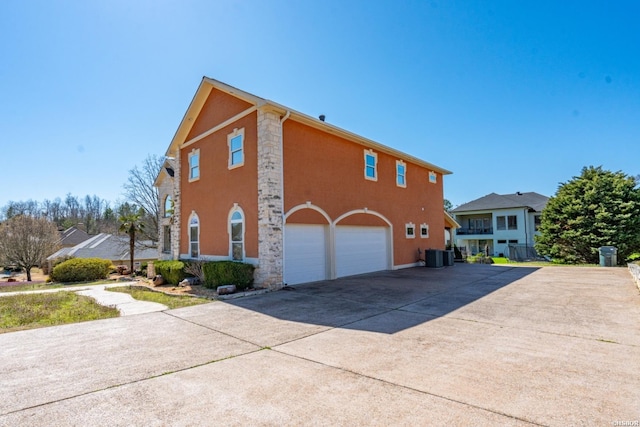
{"points": [[270, 200]]}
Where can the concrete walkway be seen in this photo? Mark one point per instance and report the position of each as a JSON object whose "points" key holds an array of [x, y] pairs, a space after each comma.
{"points": [[467, 345], [125, 303]]}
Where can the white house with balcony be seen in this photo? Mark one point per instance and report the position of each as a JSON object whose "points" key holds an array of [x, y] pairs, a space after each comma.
{"points": [[499, 224]]}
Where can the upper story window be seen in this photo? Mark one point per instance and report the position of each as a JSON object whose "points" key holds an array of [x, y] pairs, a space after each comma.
{"points": [[235, 141], [236, 234], [537, 221], [433, 177], [509, 222], [168, 207], [370, 165], [194, 235], [194, 165], [401, 174]]}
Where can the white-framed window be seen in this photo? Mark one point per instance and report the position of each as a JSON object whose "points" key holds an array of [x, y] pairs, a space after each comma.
{"points": [[194, 165], [410, 230], [424, 231], [235, 141], [194, 235], [168, 206], [537, 221], [401, 174], [236, 234], [433, 177], [370, 165]]}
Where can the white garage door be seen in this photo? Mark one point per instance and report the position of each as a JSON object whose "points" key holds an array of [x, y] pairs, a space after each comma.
{"points": [[360, 250], [305, 254]]}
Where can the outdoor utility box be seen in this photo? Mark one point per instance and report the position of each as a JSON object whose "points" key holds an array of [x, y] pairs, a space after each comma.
{"points": [[608, 256], [433, 258], [447, 258]]}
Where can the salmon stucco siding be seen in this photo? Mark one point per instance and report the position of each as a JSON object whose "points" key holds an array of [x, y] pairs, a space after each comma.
{"points": [[299, 198], [328, 171]]}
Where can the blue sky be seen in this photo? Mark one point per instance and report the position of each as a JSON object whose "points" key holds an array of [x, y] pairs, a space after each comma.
{"points": [[509, 95]]}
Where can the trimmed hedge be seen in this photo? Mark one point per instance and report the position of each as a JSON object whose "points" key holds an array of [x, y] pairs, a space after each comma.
{"points": [[218, 273], [81, 270], [171, 271]]}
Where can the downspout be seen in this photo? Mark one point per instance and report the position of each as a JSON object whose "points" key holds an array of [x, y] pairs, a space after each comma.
{"points": [[282, 120], [526, 235]]}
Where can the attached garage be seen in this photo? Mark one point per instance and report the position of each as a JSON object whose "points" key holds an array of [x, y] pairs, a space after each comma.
{"points": [[305, 253], [361, 249]]}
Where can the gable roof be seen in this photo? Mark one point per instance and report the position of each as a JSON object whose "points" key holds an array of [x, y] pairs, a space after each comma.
{"points": [[493, 201], [206, 86], [72, 236], [105, 246]]}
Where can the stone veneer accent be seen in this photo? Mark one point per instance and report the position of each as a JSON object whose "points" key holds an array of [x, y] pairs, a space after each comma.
{"points": [[270, 203], [175, 225]]}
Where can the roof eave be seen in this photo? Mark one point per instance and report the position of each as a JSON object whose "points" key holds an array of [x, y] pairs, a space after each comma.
{"points": [[207, 84]]}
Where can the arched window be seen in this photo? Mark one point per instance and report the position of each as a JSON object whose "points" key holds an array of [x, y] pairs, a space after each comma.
{"points": [[168, 207], [236, 234], [194, 235]]}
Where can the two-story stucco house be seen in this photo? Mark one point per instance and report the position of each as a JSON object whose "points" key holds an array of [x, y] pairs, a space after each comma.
{"points": [[497, 221], [251, 180]]}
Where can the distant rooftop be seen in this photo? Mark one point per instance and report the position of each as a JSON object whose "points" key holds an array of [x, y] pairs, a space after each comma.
{"points": [[493, 201]]}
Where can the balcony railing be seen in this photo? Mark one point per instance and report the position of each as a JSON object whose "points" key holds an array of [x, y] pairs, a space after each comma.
{"points": [[468, 231]]}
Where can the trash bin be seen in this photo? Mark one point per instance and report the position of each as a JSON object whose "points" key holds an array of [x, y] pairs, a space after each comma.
{"points": [[608, 256], [433, 258], [447, 258]]}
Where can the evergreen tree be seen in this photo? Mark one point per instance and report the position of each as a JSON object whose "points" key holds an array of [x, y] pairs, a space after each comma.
{"points": [[597, 208]]}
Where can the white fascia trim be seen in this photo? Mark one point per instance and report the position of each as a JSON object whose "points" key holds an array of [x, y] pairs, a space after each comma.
{"points": [[220, 126]]}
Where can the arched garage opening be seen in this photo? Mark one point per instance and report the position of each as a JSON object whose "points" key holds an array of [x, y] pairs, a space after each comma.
{"points": [[363, 243], [306, 245]]}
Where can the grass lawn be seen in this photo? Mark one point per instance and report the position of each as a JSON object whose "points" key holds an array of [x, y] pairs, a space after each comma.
{"points": [[30, 286], [172, 301], [30, 311]]}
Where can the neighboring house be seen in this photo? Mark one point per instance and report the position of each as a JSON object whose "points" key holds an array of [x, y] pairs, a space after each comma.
{"points": [[107, 246], [496, 221], [72, 236], [301, 199]]}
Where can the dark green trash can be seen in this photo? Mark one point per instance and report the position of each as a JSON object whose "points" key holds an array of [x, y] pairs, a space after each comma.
{"points": [[608, 256]]}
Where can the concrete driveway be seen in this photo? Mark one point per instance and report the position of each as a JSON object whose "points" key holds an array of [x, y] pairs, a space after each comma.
{"points": [[465, 345]]}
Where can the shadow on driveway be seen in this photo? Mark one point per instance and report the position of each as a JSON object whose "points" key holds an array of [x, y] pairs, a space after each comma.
{"points": [[422, 294]]}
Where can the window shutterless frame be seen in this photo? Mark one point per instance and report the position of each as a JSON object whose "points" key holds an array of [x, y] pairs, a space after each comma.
{"points": [[235, 141], [370, 165], [194, 165]]}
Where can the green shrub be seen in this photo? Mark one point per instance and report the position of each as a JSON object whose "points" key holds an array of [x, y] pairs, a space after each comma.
{"points": [[171, 271], [633, 257], [81, 270], [218, 273]]}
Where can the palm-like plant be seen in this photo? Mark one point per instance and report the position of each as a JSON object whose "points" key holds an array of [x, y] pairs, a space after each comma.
{"points": [[131, 224]]}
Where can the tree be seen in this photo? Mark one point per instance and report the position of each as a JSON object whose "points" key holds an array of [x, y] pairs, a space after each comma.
{"points": [[448, 206], [132, 224], [139, 189], [26, 241], [597, 208]]}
